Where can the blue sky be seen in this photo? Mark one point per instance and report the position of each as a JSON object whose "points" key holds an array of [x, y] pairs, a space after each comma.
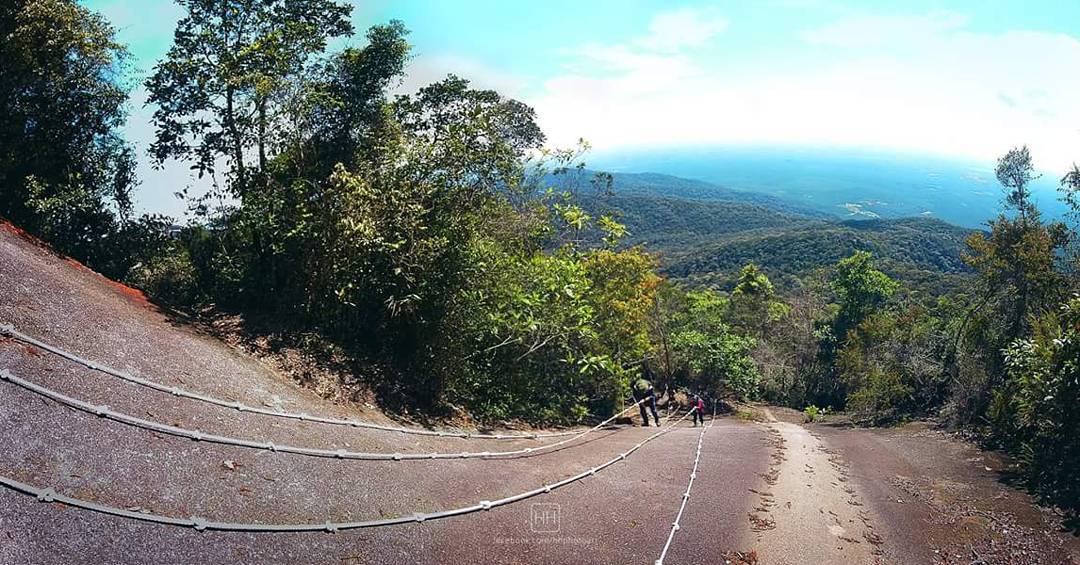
{"points": [[961, 79]]}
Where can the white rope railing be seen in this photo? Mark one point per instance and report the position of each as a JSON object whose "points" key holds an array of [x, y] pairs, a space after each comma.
{"points": [[49, 495], [686, 495], [105, 411], [10, 331]]}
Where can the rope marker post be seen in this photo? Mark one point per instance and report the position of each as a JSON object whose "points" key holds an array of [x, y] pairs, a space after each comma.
{"points": [[10, 331], [675, 526], [198, 435], [202, 524]]}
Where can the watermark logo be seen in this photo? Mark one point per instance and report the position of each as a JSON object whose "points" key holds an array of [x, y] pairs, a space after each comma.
{"points": [[544, 518]]}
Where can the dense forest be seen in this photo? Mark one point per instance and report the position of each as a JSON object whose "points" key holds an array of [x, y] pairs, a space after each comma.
{"points": [[436, 240], [705, 242]]}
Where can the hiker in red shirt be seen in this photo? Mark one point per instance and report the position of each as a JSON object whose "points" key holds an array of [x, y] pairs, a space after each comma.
{"points": [[699, 410]]}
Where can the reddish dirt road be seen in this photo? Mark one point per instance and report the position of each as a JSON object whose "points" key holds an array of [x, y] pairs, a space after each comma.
{"points": [[755, 497]]}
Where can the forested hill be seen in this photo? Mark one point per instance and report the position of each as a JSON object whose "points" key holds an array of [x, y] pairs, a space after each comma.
{"points": [[706, 233], [655, 184], [923, 253]]}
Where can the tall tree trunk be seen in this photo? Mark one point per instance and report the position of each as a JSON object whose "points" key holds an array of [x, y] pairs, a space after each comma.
{"points": [[262, 134], [237, 143], [230, 104]]}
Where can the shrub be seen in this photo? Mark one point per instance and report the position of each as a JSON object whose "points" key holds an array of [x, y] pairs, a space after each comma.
{"points": [[1039, 401], [813, 413], [169, 277], [884, 399]]}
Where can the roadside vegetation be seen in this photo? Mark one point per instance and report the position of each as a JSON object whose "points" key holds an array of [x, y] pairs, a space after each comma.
{"points": [[435, 239]]}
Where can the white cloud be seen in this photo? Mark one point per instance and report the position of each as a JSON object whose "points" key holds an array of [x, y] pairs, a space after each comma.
{"points": [[940, 88], [426, 69], [684, 27], [880, 31], [637, 70]]}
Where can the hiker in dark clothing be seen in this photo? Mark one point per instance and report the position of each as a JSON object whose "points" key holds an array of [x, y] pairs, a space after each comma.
{"points": [[699, 410], [648, 398]]}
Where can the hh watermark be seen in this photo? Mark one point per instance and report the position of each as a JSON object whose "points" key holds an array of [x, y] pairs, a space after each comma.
{"points": [[545, 518]]}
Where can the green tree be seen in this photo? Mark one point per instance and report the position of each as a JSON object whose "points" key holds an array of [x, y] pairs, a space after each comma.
{"points": [[861, 289], [524, 336], [1044, 379], [664, 363], [789, 354], [65, 172], [1015, 171], [1017, 264], [753, 303], [1070, 189], [1070, 193], [1019, 281], [217, 90], [382, 250], [862, 292], [1017, 261], [550, 334], [416, 230], [891, 364], [336, 112], [717, 360]]}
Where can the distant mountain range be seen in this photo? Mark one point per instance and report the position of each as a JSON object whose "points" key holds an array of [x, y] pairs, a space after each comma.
{"points": [[706, 233], [845, 184], [655, 184]]}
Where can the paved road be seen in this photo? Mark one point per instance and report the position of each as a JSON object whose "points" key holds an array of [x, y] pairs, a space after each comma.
{"points": [[623, 514], [774, 491]]}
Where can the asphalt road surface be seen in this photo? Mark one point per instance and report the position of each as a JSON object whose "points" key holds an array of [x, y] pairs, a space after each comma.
{"points": [[768, 491]]}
